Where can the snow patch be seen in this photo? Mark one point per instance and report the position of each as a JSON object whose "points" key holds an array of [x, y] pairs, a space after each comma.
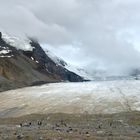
{"points": [[79, 71], [5, 51], [32, 58], [8, 56], [57, 60], [19, 43]]}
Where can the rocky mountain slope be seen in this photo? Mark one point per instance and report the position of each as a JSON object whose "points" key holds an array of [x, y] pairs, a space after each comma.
{"points": [[78, 70], [24, 63]]}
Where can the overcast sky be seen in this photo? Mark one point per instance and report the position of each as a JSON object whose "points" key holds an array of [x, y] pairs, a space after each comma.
{"points": [[95, 34]]}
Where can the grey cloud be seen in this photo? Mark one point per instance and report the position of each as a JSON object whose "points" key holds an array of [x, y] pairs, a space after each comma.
{"points": [[104, 34]]}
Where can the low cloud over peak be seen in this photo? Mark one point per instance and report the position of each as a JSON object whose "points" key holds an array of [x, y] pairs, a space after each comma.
{"points": [[103, 34]]}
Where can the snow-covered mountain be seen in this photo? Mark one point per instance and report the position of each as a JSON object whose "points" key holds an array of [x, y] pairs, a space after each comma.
{"points": [[23, 62], [59, 61], [96, 75]]}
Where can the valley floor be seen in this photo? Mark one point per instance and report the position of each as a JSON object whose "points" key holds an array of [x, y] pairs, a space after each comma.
{"points": [[120, 126]]}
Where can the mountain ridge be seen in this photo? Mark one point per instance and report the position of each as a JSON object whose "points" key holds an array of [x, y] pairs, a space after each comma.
{"points": [[21, 68]]}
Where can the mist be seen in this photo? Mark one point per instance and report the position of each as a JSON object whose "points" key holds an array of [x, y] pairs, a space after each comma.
{"points": [[96, 35]]}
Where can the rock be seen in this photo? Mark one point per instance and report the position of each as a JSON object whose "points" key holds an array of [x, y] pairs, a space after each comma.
{"points": [[20, 136], [100, 132], [87, 134], [41, 138], [0, 35]]}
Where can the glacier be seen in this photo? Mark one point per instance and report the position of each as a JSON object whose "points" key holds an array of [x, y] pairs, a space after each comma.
{"points": [[87, 97]]}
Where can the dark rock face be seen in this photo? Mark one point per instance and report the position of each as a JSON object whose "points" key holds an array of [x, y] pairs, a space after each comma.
{"points": [[0, 35], [20, 68], [51, 67]]}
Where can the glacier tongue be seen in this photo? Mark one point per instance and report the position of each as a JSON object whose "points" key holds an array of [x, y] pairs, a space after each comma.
{"points": [[92, 97]]}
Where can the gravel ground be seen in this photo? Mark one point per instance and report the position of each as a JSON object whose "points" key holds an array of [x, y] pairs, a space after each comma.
{"points": [[120, 126]]}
